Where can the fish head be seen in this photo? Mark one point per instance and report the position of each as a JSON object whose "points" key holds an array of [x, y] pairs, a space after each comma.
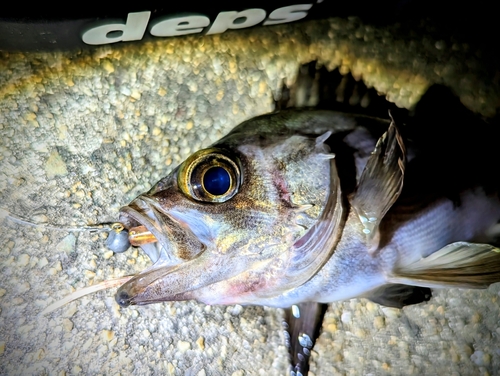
{"points": [[240, 221]]}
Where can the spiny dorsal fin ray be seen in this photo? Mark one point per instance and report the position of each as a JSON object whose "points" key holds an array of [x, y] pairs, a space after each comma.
{"points": [[320, 140], [460, 264], [380, 183]]}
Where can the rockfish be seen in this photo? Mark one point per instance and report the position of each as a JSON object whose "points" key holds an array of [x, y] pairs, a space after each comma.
{"points": [[317, 206]]}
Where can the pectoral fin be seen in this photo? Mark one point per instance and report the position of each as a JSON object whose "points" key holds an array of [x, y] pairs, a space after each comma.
{"points": [[398, 296], [380, 183], [461, 264]]}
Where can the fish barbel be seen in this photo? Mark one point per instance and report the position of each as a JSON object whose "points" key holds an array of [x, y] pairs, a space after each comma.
{"points": [[319, 206]]}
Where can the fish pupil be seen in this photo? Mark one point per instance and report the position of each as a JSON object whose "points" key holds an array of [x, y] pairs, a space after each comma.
{"points": [[216, 181]]}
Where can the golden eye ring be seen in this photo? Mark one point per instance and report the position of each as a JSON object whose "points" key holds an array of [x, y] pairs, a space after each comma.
{"points": [[210, 175]]}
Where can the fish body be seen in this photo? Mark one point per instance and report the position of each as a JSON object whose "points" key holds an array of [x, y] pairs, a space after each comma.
{"points": [[319, 206]]}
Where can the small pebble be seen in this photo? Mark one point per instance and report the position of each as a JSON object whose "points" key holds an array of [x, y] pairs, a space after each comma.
{"points": [[183, 346], [201, 343]]}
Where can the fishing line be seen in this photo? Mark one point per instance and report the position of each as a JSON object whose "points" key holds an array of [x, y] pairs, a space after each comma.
{"points": [[104, 227]]}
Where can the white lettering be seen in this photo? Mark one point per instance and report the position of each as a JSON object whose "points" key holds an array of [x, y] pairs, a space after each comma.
{"points": [[180, 26], [287, 14], [133, 29], [236, 20], [136, 24]]}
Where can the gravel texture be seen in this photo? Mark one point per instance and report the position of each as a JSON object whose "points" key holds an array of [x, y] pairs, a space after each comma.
{"points": [[82, 133]]}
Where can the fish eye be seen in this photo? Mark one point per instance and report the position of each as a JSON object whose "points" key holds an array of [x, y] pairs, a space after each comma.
{"points": [[210, 175], [216, 181]]}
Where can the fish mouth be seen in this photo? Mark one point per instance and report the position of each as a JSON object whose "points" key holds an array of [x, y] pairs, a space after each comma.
{"points": [[189, 260], [142, 212], [170, 233], [175, 244]]}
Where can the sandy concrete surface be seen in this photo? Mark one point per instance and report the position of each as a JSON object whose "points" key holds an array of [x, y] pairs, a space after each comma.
{"points": [[82, 133]]}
